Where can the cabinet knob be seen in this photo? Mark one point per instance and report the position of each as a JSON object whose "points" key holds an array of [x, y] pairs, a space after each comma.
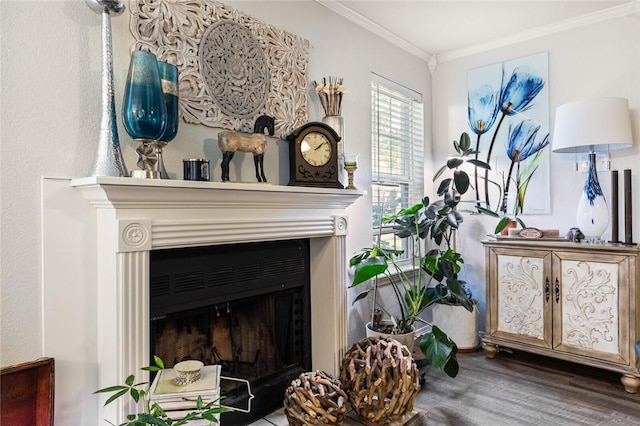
{"points": [[557, 291]]}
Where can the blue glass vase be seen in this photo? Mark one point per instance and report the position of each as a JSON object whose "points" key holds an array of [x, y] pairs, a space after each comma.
{"points": [[169, 81], [143, 110]]}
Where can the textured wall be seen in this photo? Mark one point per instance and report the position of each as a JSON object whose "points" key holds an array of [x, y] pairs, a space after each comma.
{"points": [[49, 115]]}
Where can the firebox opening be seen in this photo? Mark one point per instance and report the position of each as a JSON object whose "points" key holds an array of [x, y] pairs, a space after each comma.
{"points": [[243, 306]]}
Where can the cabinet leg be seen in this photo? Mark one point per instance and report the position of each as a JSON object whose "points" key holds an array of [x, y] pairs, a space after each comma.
{"points": [[631, 383], [490, 350]]}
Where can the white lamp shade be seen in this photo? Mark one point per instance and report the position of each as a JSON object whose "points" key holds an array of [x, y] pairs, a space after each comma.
{"points": [[599, 124]]}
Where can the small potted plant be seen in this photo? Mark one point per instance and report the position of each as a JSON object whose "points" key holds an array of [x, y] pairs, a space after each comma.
{"points": [[510, 201], [415, 290], [505, 221]]}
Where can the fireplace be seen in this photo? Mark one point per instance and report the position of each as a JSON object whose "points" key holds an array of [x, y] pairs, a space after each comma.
{"points": [[243, 306], [100, 235]]}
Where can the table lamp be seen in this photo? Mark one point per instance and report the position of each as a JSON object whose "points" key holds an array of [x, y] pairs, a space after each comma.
{"points": [[589, 126]]}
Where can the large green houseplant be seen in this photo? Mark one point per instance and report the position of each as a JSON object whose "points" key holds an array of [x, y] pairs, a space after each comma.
{"points": [[430, 228]]}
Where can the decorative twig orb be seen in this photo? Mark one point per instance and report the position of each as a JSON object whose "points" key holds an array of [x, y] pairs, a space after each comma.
{"points": [[380, 378], [315, 398]]}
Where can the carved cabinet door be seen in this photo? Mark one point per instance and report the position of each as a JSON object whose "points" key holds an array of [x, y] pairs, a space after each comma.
{"points": [[590, 301], [519, 291]]}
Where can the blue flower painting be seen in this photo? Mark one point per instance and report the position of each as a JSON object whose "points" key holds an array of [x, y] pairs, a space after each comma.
{"points": [[508, 112]]}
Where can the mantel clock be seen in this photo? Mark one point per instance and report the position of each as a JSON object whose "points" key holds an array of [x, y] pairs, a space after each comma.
{"points": [[313, 156]]}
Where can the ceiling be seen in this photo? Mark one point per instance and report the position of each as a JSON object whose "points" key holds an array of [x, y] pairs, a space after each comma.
{"points": [[443, 28]]}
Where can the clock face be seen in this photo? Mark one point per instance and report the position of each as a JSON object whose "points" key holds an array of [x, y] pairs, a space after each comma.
{"points": [[316, 149]]}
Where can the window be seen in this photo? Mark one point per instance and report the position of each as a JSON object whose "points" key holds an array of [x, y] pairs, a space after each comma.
{"points": [[397, 152]]}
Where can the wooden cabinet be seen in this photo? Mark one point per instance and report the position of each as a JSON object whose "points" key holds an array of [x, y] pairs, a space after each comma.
{"points": [[576, 302]]}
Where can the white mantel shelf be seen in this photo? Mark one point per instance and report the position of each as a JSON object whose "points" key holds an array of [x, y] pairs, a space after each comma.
{"points": [[178, 213], [128, 193]]}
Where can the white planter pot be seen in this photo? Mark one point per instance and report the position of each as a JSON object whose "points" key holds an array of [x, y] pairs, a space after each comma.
{"points": [[459, 324], [406, 339]]}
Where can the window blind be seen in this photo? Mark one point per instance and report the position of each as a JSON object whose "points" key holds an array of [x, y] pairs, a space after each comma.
{"points": [[397, 147]]}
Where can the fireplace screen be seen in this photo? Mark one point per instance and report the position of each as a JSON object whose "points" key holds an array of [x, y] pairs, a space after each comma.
{"points": [[243, 306]]}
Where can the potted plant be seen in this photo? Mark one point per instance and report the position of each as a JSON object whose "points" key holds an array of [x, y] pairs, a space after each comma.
{"points": [[506, 220], [153, 414], [415, 290], [460, 324]]}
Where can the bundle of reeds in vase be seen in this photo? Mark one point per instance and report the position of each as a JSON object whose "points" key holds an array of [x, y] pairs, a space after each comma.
{"points": [[330, 91]]}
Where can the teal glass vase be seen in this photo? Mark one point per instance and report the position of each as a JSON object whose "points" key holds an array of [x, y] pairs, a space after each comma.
{"points": [[144, 111], [169, 82]]}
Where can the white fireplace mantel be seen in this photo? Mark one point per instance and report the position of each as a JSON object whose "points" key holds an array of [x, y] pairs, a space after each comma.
{"points": [[97, 237]]}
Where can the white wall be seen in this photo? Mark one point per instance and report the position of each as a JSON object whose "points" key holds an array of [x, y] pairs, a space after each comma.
{"points": [[599, 60], [50, 80]]}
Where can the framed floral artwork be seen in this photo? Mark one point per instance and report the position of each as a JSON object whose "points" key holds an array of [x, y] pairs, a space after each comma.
{"points": [[508, 112]]}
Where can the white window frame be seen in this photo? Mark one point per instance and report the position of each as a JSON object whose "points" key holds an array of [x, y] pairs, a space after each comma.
{"points": [[397, 153]]}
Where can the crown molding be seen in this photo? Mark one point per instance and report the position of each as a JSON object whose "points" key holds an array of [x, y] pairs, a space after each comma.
{"points": [[579, 21], [622, 10], [369, 25]]}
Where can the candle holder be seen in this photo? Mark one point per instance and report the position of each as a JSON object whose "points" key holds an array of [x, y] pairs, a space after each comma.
{"points": [[350, 165]]}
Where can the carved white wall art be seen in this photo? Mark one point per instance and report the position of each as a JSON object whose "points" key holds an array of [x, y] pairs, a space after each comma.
{"points": [[233, 68]]}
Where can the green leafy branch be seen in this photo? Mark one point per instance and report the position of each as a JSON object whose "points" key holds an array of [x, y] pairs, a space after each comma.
{"points": [[154, 414]]}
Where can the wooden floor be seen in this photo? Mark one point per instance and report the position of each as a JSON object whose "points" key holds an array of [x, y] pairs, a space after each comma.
{"points": [[517, 389]]}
